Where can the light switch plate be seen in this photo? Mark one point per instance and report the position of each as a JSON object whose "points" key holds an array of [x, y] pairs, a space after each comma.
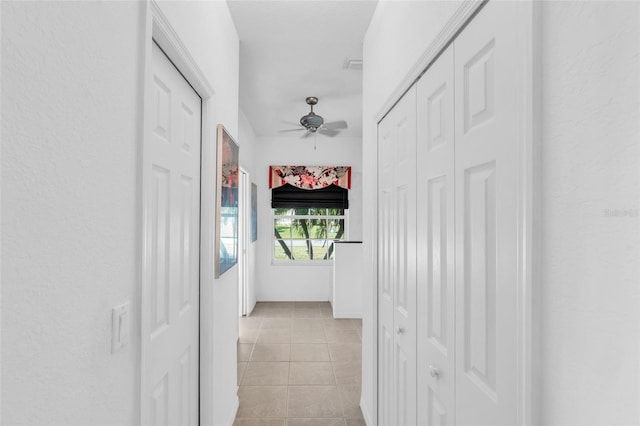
{"points": [[119, 327]]}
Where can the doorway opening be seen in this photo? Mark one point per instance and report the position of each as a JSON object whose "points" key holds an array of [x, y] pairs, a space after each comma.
{"points": [[244, 234]]}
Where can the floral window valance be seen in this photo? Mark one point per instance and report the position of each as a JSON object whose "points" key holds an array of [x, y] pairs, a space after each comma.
{"points": [[310, 177]]}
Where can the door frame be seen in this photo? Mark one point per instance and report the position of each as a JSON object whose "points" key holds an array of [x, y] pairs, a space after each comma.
{"points": [[528, 67], [158, 29], [244, 238]]}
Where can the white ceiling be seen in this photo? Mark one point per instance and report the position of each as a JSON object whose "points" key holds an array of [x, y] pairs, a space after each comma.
{"points": [[293, 49]]}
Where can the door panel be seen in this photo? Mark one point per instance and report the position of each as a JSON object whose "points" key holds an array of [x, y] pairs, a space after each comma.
{"points": [[385, 275], [396, 251], [480, 276], [386, 403], [436, 244], [405, 257], [172, 249], [486, 212], [436, 410]]}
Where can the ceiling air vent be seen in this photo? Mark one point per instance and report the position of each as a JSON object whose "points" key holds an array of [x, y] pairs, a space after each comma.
{"points": [[353, 64]]}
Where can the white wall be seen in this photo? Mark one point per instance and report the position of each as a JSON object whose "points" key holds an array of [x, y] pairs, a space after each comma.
{"points": [[301, 283], [590, 158], [589, 307], [247, 141], [70, 210], [72, 108]]}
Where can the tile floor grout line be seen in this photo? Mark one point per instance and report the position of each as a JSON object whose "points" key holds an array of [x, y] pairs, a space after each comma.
{"points": [[286, 402], [325, 326]]}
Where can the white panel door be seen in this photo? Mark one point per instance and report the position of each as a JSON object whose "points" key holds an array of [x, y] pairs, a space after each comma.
{"points": [[436, 244], [397, 263], [170, 296], [486, 214], [385, 271]]}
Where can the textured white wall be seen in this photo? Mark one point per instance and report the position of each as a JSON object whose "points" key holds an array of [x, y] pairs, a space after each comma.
{"points": [[589, 306], [590, 159], [70, 210], [301, 283], [72, 108]]}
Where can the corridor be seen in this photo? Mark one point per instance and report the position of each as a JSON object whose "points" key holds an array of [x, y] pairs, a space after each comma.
{"points": [[299, 366]]}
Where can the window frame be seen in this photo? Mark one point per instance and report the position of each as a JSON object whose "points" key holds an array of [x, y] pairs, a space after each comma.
{"points": [[306, 262]]}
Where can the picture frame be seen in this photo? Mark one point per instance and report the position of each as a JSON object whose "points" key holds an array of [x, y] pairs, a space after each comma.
{"points": [[227, 175], [254, 212]]}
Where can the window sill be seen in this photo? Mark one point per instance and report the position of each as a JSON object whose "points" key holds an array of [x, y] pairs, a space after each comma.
{"points": [[325, 263]]}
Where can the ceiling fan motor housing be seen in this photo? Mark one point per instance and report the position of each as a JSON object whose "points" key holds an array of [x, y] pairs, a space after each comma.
{"points": [[311, 121]]}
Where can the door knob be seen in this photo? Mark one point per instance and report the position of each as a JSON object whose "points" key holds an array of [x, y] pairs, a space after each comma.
{"points": [[399, 330], [434, 371]]}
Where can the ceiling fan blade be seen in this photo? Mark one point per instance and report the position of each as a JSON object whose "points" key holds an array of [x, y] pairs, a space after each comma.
{"points": [[307, 134], [328, 132], [336, 125], [291, 130], [290, 123]]}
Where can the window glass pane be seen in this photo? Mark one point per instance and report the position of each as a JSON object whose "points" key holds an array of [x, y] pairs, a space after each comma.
{"points": [[283, 228], [301, 212], [279, 212], [335, 229], [320, 248], [279, 252], [300, 228], [318, 228], [300, 249], [330, 250], [306, 234]]}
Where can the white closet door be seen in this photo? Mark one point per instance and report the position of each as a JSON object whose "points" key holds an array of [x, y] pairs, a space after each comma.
{"points": [[172, 249], [486, 212], [397, 264], [436, 244]]}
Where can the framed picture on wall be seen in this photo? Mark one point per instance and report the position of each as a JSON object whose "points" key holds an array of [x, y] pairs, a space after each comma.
{"points": [[226, 250], [254, 212]]}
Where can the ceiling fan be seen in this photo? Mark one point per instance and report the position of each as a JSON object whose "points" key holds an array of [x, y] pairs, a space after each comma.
{"points": [[313, 123]]}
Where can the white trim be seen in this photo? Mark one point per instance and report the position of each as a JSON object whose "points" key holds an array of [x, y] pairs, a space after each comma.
{"points": [[529, 124], [166, 37], [340, 314], [528, 269], [207, 268], [312, 263], [638, 176], [159, 29], [448, 33], [234, 410], [365, 412], [244, 240]]}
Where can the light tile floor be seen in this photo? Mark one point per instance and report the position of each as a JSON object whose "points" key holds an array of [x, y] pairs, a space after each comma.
{"points": [[297, 366]]}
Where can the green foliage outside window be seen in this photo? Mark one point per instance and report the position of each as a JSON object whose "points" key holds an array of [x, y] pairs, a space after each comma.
{"points": [[307, 234]]}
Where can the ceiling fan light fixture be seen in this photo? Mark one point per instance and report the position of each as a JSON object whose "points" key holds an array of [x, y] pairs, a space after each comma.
{"points": [[314, 123]]}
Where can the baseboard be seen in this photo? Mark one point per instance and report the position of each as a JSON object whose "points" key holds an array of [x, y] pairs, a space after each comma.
{"points": [[252, 307], [234, 409], [291, 299], [365, 413], [357, 315]]}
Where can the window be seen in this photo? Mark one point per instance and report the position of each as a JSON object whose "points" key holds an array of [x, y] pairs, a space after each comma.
{"points": [[307, 234]]}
